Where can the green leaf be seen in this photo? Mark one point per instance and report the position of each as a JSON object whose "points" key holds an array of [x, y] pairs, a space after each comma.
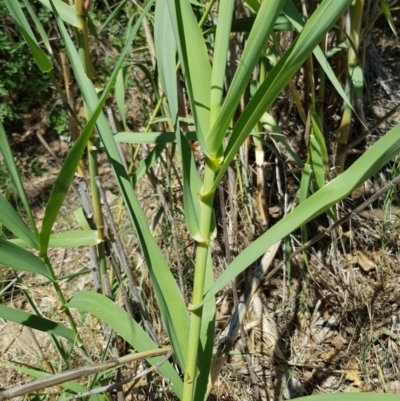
{"points": [[166, 53], [262, 28], [106, 310], [254, 5], [152, 137], [120, 95], [10, 218], [207, 332], [282, 24], [64, 10], [305, 183], [366, 166], [74, 239], [357, 78], [296, 19], [147, 162], [38, 25], [16, 257], [388, 15], [65, 178], [36, 322], [319, 135], [316, 161], [168, 296], [222, 36], [13, 171], [81, 219], [67, 172], [195, 64], [69, 239], [318, 24], [23, 25]]}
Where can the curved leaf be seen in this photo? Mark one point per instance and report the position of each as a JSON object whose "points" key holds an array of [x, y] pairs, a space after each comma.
{"points": [[166, 54], [195, 63], [169, 298], [65, 11], [366, 166], [18, 258], [68, 239], [296, 19], [152, 137], [13, 171], [19, 18], [262, 28], [36, 322], [10, 218], [106, 310], [318, 24]]}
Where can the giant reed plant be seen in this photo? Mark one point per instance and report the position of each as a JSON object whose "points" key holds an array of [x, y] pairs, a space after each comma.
{"points": [[190, 327]]}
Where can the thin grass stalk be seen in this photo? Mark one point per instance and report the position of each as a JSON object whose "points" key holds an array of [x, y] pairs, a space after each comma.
{"points": [[203, 248], [261, 189], [72, 124], [206, 198], [64, 377], [81, 10], [355, 20], [64, 306], [321, 85]]}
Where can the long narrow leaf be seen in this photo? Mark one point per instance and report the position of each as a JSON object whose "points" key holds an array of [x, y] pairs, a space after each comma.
{"points": [[147, 162], [13, 256], [262, 28], [196, 66], [13, 171], [365, 167], [67, 172], [19, 18], [36, 322], [65, 11], [169, 298], [282, 24], [166, 54], [207, 331], [39, 26], [65, 178], [69, 239], [296, 19], [10, 218], [106, 310], [319, 23], [152, 137], [225, 13]]}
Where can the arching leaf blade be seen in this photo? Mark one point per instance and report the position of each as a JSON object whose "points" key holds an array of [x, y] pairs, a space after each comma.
{"points": [[18, 258], [319, 23], [11, 219], [365, 167], [119, 320], [36, 322]]}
